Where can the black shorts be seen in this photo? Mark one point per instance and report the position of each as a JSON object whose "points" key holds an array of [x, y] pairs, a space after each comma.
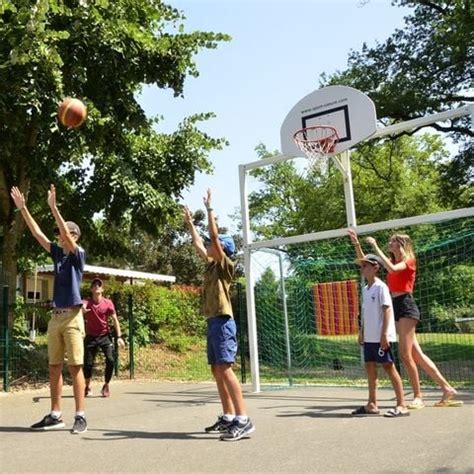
{"points": [[404, 306]]}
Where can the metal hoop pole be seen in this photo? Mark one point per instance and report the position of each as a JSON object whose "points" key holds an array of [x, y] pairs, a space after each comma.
{"points": [[249, 286], [348, 189]]}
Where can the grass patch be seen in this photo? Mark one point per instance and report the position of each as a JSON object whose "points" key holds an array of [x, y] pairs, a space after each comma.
{"points": [[332, 360]]}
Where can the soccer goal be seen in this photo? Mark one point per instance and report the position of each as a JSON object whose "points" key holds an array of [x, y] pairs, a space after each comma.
{"points": [[303, 292]]}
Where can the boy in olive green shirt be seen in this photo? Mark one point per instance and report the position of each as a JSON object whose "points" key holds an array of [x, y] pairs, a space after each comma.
{"points": [[234, 424]]}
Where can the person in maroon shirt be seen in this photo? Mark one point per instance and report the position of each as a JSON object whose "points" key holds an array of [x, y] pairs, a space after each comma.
{"points": [[97, 311]]}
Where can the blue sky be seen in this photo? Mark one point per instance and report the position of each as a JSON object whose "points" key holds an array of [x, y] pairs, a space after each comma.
{"points": [[278, 50]]}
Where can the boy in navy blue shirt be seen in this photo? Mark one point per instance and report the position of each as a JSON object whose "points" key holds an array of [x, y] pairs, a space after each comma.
{"points": [[66, 327]]}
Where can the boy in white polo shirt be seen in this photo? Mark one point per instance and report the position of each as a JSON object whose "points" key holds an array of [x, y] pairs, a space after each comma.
{"points": [[376, 334]]}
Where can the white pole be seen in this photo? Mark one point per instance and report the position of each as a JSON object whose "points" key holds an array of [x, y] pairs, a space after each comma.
{"points": [[249, 286], [348, 190], [287, 326]]}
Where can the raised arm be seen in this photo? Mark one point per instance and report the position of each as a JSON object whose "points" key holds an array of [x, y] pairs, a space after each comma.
{"points": [[387, 263], [355, 242], [20, 203], [197, 241], [69, 243], [212, 226]]}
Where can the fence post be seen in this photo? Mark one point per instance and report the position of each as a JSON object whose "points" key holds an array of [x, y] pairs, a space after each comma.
{"points": [[6, 342], [131, 326], [116, 349], [240, 307]]}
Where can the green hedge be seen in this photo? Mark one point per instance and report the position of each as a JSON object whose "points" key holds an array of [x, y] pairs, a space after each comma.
{"points": [[170, 315]]}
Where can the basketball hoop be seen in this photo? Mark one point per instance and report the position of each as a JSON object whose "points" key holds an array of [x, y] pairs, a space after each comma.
{"points": [[317, 143]]}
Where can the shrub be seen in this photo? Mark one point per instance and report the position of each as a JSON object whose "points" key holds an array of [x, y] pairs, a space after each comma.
{"points": [[160, 313]]}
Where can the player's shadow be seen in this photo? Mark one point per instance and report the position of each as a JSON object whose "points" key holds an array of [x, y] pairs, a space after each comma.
{"points": [[114, 435], [38, 399], [322, 412], [14, 429]]}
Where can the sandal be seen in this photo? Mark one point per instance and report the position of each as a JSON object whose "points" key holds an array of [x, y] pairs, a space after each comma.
{"points": [[417, 405], [364, 411], [449, 403], [396, 413]]}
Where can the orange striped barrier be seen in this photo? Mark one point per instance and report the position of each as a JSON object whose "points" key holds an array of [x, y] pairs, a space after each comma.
{"points": [[336, 307]]}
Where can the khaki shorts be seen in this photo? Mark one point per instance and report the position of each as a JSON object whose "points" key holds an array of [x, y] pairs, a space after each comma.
{"points": [[66, 336]]}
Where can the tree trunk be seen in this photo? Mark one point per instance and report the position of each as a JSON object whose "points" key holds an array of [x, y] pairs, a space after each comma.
{"points": [[9, 264]]}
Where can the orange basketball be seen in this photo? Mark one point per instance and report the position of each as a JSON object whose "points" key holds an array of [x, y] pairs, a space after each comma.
{"points": [[72, 112]]}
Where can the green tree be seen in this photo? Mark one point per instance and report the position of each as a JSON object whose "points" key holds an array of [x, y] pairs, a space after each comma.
{"points": [[171, 253], [117, 165], [424, 68], [393, 179]]}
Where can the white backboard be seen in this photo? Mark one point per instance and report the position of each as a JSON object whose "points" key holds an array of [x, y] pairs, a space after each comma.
{"points": [[348, 110]]}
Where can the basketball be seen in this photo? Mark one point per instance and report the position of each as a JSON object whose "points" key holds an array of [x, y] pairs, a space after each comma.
{"points": [[72, 112]]}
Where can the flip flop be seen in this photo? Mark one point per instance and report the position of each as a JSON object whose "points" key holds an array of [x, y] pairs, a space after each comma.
{"points": [[449, 403], [396, 413], [363, 411], [416, 406]]}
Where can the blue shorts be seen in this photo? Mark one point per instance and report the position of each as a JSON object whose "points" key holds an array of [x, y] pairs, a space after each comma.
{"points": [[221, 340], [374, 353]]}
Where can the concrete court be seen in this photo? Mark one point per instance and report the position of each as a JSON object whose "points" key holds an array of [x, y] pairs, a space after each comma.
{"points": [[158, 427]]}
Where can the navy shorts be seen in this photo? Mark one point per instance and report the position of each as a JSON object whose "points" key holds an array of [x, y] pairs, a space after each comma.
{"points": [[221, 340], [404, 306], [374, 353]]}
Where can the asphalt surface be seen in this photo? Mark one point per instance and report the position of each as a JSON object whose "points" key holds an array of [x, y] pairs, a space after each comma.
{"points": [[158, 427]]}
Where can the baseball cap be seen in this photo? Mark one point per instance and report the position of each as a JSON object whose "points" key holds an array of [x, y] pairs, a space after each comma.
{"points": [[227, 242], [96, 281], [73, 228], [372, 259]]}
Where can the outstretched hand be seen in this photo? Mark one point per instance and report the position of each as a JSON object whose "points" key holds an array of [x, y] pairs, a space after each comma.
{"points": [[18, 198], [371, 241], [187, 214], [207, 199], [52, 197], [353, 236]]}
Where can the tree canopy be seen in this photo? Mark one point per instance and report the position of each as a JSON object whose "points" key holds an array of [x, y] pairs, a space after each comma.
{"points": [[392, 179], [117, 165], [424, 68]]}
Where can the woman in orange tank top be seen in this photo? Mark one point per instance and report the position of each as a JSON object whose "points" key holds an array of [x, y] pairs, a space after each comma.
{"points": [[401, 268]]}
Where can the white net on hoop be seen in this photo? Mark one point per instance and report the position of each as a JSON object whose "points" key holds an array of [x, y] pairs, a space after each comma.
{"points": [[317, 143]]}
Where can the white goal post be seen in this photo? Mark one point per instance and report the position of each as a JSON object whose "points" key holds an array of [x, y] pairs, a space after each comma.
{"points": [[342, 161]]}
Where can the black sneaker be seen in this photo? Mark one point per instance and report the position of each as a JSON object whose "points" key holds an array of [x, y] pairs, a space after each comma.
{"points": [[80, 425], [220, 426], [48, 423], [238, 431], [88, 392]]}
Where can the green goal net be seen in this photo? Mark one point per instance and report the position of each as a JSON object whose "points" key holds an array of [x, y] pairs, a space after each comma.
{"points": [[307, 300]]}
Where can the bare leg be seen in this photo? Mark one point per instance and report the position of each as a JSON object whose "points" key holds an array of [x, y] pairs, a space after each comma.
{"points": [[432, 371], [78, 385], [397, 385], [371, 368], [56, 386], [226, 400], [406, 331], [233, 387]]}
